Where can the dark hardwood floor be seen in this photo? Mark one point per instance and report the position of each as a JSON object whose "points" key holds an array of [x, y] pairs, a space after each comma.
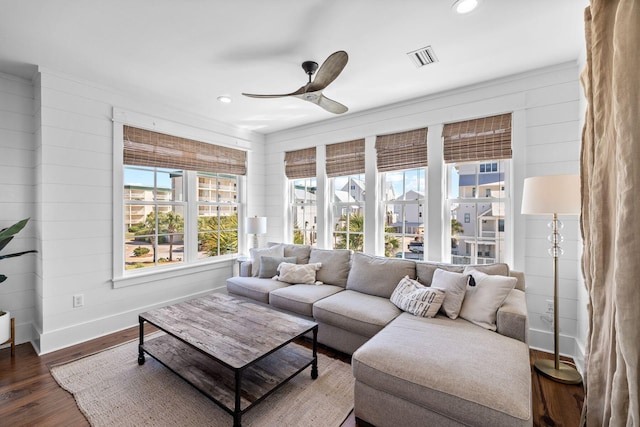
{"points": [[29, 396]]}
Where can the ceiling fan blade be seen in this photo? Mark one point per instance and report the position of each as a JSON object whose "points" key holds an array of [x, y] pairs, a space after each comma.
{"points": [[322, 101], [329, 70], [331, 105], [297, 92]]}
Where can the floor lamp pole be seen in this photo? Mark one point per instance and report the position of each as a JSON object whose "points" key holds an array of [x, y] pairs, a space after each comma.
{"points": [[556, 370]]}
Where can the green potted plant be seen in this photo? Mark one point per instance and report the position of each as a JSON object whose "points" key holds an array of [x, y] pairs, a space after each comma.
{"points": [[6, 235]]}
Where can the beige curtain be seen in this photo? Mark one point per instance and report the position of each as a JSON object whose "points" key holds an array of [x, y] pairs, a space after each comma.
{"points": [[610, 169]]}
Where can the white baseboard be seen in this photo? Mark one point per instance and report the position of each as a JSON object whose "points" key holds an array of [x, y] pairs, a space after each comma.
{"points": [[79, 333], [543, 341]]}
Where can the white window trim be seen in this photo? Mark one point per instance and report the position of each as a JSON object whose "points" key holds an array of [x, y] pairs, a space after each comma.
{"points": [[122, 278]]}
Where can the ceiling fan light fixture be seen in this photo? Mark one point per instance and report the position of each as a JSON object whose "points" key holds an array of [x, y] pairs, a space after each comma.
{"points": [[464, 6], [225, 99]]}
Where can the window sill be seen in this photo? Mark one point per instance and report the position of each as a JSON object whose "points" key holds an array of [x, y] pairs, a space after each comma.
{"points": [[134, 279]]}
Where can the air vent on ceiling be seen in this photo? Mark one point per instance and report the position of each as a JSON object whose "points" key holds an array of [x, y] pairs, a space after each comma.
{"points": [[422, 57]]}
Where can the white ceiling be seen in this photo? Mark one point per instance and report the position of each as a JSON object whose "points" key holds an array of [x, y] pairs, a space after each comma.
{"points": [[185, 53]]}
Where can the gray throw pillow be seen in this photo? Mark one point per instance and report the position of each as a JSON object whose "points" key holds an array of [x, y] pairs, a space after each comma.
{"points": [[378, 276], [269, 265]]}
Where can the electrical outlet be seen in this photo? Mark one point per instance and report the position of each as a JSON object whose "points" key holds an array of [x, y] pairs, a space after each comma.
{"points": [[549, 306], [78, 300]]}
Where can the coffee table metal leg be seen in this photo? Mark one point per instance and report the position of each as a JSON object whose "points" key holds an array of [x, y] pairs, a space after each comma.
{"points": [[314, 365], [141, 342], [238, 411]]}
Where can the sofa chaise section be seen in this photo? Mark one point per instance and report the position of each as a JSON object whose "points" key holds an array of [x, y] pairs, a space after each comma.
{"points": [[438, 371]]}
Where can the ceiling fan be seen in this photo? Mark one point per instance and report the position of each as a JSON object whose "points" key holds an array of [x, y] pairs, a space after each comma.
{"points": [[312, 91]]}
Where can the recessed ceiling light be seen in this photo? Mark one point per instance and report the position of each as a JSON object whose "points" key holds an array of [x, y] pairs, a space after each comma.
{"points": [[224, 99], [464, 6]]}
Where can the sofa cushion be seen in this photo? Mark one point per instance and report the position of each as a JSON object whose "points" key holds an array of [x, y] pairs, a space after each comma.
{"points": [[335, 265], [378, 276], [481, 302], [300, 298], [417, 299], [269, 265], [257, 253], [451, 367], [425, 270], [356, 312], [298, 273], [253, 287], [454, 286]]}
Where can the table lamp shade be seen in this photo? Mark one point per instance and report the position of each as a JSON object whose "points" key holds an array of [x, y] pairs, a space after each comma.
{"points": [[256, 225], [551, 194]]}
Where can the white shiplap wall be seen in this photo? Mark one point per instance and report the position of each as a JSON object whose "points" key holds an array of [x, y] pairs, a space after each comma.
{"points": [[546, 136], [75, 206], [17, 159]]}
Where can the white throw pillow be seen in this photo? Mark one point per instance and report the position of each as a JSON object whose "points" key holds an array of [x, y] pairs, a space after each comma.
{"points": [[257, 253], [455, 287], [298, 273], [417, 299], [482, 301]]}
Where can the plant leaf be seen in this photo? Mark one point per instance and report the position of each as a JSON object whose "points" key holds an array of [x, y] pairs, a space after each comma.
{"points": [[17, 254], [14, 229], [5, 242]]}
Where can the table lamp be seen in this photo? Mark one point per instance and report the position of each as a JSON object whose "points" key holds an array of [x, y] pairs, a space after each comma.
{"points": [[256, 225]]}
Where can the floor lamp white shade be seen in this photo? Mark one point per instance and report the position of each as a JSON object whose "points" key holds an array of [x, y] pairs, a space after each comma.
{"points": [[256, 225], [554, 195]]}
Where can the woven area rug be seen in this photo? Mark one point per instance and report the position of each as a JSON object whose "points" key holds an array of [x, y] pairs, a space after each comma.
{"points": [[111, 389]]}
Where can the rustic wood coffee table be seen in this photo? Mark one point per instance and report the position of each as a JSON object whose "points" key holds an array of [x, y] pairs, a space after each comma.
{"points": [[233, 351]]}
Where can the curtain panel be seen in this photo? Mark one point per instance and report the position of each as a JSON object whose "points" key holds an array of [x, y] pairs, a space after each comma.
{"points": [[610, 206]]}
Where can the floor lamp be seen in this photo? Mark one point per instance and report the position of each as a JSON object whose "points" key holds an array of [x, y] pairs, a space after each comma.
{"points": [[554, 195], [256, 225]]}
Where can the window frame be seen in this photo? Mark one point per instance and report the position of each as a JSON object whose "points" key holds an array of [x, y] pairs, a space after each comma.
{"points": [[478, 198], [120, 277], [421, 203], [307, 205], [334, 206]]}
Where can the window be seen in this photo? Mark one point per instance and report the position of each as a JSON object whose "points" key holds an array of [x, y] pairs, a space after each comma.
{"points": [[180, 199], [345, 167], [404, 206], [402, 159], [300, 168], [478, 154], [348, 212], [217, 214], [154, 216], [304, 212]]}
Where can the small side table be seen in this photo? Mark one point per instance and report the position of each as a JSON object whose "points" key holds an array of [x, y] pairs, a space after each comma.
{"points": [[12, 340]]}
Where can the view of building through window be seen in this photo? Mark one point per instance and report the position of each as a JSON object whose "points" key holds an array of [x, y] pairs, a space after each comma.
{"points": [[348, 198], [155, 204], [403, 195], [304, 211], [477, 198]]}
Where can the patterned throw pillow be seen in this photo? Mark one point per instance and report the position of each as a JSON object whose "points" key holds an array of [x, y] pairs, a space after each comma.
{"points": [[414, 298], [298, 273]]}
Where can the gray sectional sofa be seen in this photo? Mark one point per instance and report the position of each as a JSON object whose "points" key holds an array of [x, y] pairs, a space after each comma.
{"points": [[409, 370]]}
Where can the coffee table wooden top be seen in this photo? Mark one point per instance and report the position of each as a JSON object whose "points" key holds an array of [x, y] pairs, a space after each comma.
{"points": [[233, 331]]}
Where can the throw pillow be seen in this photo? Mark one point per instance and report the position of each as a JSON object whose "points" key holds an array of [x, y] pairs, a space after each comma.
{"points": [[257, 253], [414, 298], [298, 273], [454, 286], [269, 265], [482, 301], [377, 275]]}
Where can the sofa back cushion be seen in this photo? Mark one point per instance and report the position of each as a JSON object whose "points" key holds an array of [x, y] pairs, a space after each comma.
{"points": [[378, 276], [301, 252], [425, 270], [335, 265]]}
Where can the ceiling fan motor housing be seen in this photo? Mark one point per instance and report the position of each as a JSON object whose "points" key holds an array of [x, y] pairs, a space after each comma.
{"points": [[309, 67]]}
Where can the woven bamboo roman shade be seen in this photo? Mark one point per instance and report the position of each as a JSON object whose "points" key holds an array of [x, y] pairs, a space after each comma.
{"points": [[404, 150], [300, 163], [146, 148], [487, 138], [345, 158]]}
